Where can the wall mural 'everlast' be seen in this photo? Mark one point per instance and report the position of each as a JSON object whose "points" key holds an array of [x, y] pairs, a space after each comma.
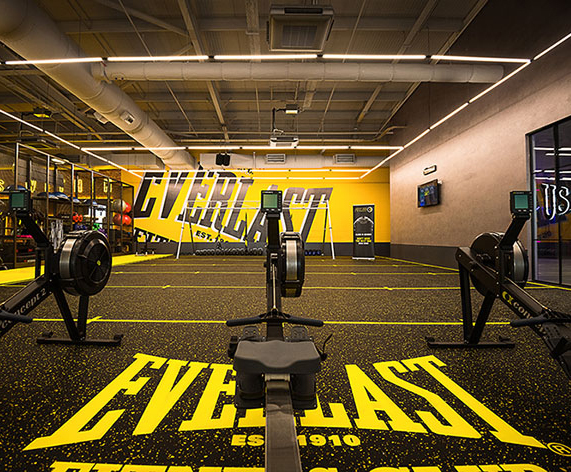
{"points": [[223, 205]]}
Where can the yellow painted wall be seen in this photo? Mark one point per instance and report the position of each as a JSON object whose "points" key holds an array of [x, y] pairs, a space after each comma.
{"points": [[346, 190]]}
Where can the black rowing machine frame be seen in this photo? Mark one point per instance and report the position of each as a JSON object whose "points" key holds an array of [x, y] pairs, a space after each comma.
{"points": [[81, 266], [492, 274]]}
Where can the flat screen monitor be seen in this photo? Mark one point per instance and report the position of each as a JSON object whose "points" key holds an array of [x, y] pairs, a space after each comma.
{"points": [[428, 194]]}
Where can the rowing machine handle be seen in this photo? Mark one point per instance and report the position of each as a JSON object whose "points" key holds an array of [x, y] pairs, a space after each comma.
{"points": [[290, 319], [304, 321], [6, 315], [244, 321]]}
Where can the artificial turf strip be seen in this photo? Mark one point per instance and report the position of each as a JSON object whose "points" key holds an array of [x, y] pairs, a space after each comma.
{"points": [[162, 401]]}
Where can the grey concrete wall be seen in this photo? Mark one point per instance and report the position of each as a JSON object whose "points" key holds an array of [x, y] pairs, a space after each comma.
{"points": [[480, 153]]}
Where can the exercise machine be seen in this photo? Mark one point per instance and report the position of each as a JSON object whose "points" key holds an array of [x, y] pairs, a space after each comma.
{"points": [[273, 370], [498, 267], [80, 266]]}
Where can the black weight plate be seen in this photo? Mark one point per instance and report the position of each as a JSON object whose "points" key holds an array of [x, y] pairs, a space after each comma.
{"points": [[84, 262]]}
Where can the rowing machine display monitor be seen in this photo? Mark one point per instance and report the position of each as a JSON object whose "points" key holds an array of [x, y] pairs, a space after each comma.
{"points": [[80, 266], [275, 370], [497, 265], [20, 201], [521, 203], [272, 201]]}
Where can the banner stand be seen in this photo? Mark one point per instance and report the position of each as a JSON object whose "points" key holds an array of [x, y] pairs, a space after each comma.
{"points": [[364, 232]]}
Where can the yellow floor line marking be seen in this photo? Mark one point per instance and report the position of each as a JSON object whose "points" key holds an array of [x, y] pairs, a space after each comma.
{"points": [[258, 264], [242, 287], [262, 274], [24, 274], [95, 318], [418, 263], [541, 285], [98, 319]]}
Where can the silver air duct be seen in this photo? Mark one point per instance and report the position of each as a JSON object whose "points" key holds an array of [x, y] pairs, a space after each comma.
{"points": [[294, 71], [28, 31]]}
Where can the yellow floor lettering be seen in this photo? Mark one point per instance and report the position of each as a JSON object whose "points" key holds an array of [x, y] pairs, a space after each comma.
{"points": [[522, 468], [179, 468], [107, 468], [58, 466], [391, 469], [503, 431], [457, 426], [167, 394], [362, 386], [144, 468], [73, 430], [254, 418], [316, 418], [203, 415]]}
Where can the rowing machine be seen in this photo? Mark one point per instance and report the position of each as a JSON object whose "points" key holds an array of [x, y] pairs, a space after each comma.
{"points": [[498, 267], [278, 371], [81, 266]]}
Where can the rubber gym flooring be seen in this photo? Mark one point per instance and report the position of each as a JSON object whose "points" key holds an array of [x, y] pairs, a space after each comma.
{"points": [[161, 402]]}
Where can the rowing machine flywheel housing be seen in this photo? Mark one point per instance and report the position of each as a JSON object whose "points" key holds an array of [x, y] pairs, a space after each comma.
{"points": [[292, 264], [84, 262], [485, 248]]}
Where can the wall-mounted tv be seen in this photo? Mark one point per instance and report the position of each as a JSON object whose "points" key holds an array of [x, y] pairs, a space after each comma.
{"points": [[428, 194]]}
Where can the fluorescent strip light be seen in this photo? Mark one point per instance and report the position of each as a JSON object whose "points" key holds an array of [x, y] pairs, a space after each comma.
{"points": [[375, 57], [376, 148], [324, 147], [450, 115], [499, 82], [207, 147], [381, 163], [75, 146], [156, 58], [64, 141], [553, 46], [479, 59], [9, 115], [424, 133], [57, 161], [267, 57], [55, 61], [107, 149]]}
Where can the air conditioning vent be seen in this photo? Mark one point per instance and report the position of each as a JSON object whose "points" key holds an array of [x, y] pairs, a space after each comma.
{"points": [[344, 159], [275, 158], [299, 28]]}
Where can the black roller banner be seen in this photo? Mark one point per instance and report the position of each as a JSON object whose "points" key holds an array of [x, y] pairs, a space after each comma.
{"points": [[364, 232]]}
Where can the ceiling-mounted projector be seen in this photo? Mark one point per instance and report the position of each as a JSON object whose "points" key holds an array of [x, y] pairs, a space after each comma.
{"points": [[283, 140], [299, 27]]}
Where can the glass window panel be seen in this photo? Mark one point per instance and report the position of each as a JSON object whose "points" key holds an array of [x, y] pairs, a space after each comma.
{"points": [[564, 202], [546, 237]]}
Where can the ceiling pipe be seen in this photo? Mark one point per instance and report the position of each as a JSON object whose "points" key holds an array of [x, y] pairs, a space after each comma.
{"points": [[31, 33], [295, 71]]}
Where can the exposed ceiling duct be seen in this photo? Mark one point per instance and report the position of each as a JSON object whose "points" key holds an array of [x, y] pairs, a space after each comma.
{"points": [[296, 71], [28, 31], [290, 161]]}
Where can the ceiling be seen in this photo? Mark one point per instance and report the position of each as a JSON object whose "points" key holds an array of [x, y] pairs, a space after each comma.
{"points": [[212, 111]]}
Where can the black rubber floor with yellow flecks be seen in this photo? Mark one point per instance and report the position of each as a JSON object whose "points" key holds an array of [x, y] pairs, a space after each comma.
{"points": [[162, 400]]}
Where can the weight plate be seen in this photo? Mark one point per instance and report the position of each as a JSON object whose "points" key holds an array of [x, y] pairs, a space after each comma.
{"points": [[84, 262], [292, 264]]}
